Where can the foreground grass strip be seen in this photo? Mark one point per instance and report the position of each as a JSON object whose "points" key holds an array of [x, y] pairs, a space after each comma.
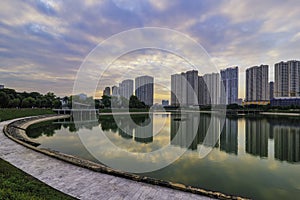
{"points": [[12, 113], [15, 184]]}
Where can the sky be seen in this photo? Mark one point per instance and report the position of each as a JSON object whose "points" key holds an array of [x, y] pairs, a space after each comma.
{"points": [[43, 43]]}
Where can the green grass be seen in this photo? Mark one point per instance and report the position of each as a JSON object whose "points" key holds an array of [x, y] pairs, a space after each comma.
{"points": [[12, 113], [15, 184]]}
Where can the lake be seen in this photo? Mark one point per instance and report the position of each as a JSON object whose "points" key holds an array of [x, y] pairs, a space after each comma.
{"points": [[253, 156]]}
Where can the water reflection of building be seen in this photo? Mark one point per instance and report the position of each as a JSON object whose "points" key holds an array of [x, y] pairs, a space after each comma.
{"points": [[184, 130], [286, 139], [125, 130], [144, 131], [141, 126], [203, 127], [229, 136], [257, 134], [192, 129]]}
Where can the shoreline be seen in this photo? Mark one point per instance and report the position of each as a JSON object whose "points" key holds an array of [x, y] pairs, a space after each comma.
{"points": [[280, 113], [204, 111]]}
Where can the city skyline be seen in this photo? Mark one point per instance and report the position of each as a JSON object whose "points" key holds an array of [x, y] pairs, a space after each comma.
{"points": [[141, 87], [45, 42], [189, 88]]}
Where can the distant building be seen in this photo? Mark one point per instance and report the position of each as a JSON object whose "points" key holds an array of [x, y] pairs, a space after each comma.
{"points": [[192, 87], [126, 88], [257, 83], [287, 75], [64, 102], [144, 89], [165, 102], [260, 103], [115, 91], [285, 101], [230, 80], [175, 90], [1, 87], [184, 88], [202, 91], [82, 96], [271, 88], [106, 91], [178, 94], [213, 86]]}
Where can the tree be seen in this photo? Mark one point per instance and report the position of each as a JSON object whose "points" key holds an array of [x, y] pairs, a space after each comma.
{"points": [[134, 102], [97, 103], [4, 100], [35, 95], [106, 100], [38, 103], [28, 102], [57, 103], [10, 93], [13, 103], [233, 106]]}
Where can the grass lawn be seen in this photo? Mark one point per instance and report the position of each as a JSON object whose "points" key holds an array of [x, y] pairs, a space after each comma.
{"points": [[16, 184], [11, 113]]}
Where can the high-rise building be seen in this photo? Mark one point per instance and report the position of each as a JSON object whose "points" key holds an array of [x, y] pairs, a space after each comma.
{"points": [[257, 83], [271, 88], [230, 79], [144, 89], [188, 89], [192, 87], [126, 88], [287, 79], [184, 88], [115, 91], [212, 82], [202, 91], [106, 91], [1, 87], [176, 95]]}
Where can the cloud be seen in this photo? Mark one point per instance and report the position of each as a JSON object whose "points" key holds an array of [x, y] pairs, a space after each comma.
{"points": [[48, 7], [54, 36]]}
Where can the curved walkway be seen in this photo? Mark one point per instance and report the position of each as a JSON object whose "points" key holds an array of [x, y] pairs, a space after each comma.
{"points": [[80, 182]]}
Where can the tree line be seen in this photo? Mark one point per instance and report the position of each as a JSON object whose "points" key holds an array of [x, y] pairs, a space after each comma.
{"points": [[9, 98]]}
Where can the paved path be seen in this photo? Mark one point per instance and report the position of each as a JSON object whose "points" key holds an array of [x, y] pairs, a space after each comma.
{"points": [[79, 182]]}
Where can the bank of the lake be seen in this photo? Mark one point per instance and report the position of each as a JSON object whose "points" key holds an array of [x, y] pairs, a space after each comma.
{"points": [[16, 184], [77, 181]]}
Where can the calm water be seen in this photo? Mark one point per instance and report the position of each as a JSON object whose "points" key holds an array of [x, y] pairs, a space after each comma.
{"points": [[255, 157]]}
